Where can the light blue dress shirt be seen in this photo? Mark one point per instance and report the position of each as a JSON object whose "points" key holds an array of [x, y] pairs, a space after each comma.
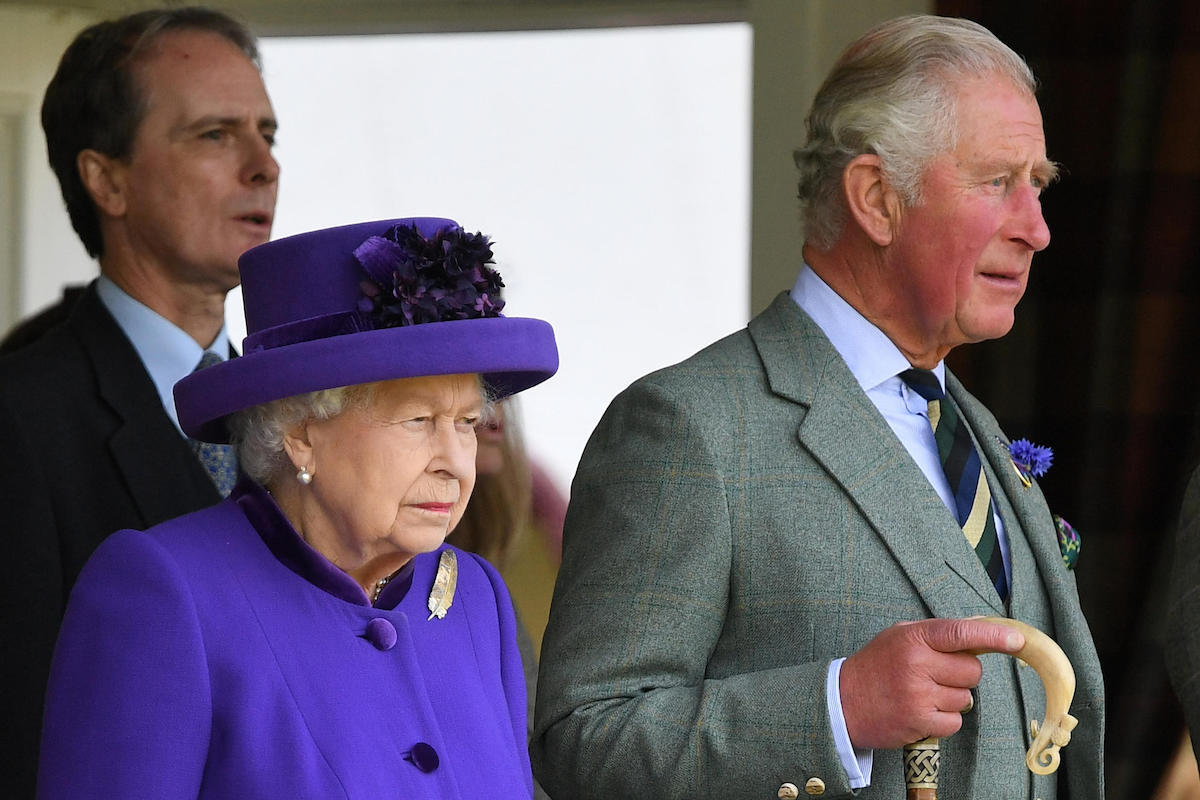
{"points": [[168, 353], [876, 363]]}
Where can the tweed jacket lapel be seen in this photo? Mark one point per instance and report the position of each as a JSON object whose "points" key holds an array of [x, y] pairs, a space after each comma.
{"points": [[1034, 517], [1071, 630], [845, 433], [143, 442], [1027, 503]]}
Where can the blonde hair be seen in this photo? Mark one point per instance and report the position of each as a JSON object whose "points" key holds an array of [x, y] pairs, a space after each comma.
{"points": [[500, 505]]}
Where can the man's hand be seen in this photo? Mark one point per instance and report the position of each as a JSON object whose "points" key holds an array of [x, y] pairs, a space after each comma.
{"points": [[914, 679]]}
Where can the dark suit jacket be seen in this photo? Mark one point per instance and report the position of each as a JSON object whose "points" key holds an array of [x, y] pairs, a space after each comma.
{"points": [[87, 449], [738, 521], [32, 328]]}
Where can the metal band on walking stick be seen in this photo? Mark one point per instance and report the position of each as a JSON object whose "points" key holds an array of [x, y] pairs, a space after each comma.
{"points": [[1058, 678]]}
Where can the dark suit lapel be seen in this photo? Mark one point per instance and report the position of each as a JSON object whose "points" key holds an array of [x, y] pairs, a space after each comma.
{"points": [[847, 435], [146, 448]]}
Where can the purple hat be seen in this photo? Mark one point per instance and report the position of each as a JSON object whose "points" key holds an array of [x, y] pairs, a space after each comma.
{"points": [[399, 298]]}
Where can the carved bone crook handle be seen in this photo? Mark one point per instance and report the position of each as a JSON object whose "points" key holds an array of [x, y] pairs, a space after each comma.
{"points": [[1058, 678]]}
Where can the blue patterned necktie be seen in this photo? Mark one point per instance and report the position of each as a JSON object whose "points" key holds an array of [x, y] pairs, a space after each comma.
{"points": [[218, 459], [968, 482]]}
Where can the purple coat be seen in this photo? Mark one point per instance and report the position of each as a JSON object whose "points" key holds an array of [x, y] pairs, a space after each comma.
{"points": [[218, 656]]}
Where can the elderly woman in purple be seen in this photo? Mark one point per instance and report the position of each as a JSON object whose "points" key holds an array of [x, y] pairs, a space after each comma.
{"points": [[312, 636]]}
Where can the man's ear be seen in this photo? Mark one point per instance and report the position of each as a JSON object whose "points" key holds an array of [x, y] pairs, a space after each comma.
{"points": [[873, 204], [104, 178]]}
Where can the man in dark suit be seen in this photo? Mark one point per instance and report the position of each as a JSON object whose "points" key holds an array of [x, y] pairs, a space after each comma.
{"points": [[34, 327], [159, 130], [768, 564]]}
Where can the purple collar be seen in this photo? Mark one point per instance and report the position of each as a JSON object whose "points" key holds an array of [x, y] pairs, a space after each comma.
{"points": [[294, 553]]}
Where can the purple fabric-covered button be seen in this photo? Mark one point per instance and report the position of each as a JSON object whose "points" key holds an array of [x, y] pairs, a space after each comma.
{"points": [[381, 633], [423, 757]]}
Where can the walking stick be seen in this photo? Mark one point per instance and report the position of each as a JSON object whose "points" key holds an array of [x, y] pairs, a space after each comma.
{"points": [[1058, 679]]}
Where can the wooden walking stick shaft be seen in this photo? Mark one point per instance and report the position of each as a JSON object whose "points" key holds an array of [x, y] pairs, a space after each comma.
{"points": [[1058, 679]]}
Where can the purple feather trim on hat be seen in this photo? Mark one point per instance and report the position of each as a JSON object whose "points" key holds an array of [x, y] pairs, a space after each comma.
{"points": [[412, 279]]}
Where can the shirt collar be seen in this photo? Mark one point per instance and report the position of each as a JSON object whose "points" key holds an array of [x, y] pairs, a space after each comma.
{"points": [[168, 353], [871, 356]]}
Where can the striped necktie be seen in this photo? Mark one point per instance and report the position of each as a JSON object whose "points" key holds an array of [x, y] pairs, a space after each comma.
{"points": [[219, 460], [968, 482]]}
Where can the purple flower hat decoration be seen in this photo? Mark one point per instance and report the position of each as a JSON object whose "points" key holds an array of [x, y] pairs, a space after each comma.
{"points": [[1030, 460], [413, 278]]}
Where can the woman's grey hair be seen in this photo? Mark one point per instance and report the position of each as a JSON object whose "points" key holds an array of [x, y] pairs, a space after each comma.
{"points": [[258, 432], [892, 93]]}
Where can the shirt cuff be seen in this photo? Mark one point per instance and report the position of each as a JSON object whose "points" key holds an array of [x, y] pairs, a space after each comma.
{"points": [[857, 762]]}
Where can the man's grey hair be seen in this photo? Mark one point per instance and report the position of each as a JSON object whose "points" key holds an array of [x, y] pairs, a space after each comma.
{"points": [[893, 93]]}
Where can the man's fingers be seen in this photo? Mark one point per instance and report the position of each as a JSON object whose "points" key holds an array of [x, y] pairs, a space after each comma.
{"points": [[959, 670], [944, 723], [957, 635], [915, 678], [955, 701]]}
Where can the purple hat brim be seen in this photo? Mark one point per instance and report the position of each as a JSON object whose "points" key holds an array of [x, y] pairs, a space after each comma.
{"points": [[510, 353]]}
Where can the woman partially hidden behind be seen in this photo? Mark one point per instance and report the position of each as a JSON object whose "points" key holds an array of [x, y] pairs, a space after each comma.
{"points": [[312, 636]]}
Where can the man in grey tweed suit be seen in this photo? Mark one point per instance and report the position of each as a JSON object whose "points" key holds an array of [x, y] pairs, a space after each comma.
{"points": [[763, 590]]}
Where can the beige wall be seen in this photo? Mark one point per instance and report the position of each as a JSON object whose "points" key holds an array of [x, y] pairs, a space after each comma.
{"points": [[35, 231], [795, 43]]}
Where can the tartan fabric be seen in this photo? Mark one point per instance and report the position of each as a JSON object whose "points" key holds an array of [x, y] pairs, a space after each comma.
{"points": [[1100, 363], [219, 459], [960, 461]]}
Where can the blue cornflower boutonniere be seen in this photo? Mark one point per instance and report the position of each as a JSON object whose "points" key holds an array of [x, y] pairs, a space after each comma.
{"points": [[1029, 460]]}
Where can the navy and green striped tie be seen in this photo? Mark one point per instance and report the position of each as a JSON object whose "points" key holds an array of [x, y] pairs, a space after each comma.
{"points": [[968, 482]]}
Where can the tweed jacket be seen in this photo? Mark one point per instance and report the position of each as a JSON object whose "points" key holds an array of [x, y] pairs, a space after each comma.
{"points": [[217, 656], [88, 450], [738, 521]]}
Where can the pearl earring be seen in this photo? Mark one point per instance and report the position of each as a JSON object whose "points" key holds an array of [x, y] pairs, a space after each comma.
{"points": [[304, 476]]}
